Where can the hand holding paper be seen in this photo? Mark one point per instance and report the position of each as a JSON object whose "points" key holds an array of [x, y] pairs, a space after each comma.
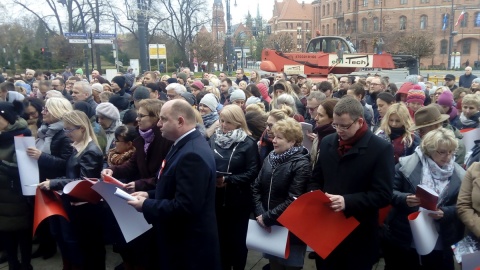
{"points": [[124, 195]]}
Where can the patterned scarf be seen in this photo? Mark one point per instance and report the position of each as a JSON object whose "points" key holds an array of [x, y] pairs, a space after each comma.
{"points": [[148, 137], [115, 158], [470, 122], [345, 145], [225, 140], [277, 159], [209, 119], [433, 176]]}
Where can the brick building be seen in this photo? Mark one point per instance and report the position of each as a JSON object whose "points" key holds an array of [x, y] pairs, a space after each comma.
{"points": [[290, 16], [367, 20]]}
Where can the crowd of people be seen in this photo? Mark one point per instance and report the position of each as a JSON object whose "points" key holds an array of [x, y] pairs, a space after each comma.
{"points": [[203, 156]]}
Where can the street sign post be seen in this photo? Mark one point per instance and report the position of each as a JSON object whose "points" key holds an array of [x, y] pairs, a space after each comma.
{"points": [[76, 35], [103, 41], [104, 36], [158, 51], [78, 41]]}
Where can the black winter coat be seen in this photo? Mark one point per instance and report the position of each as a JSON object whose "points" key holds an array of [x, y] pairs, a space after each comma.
{"points": [[242, 160], [408, 175], [53, 165], [88, 164], [275, 190]]}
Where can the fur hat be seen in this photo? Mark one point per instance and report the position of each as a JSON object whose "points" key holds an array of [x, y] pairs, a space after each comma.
{"points": [[108, 110], [97, 87], [120, 80], [237, 94], [182, 76], [141, 93], [252, 100], [445, 98], [11, 111], [211, 101], [416, 95]]}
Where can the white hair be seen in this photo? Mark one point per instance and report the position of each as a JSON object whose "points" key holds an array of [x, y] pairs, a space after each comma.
{"points": [[86, 88], [286, 99], [178, 88], [97, 87]]}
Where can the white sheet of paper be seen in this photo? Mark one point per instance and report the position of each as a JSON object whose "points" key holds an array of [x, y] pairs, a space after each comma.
{"points": [[124, 195], [470, 137], [132, 223], [425, 234], [306, 129], [471, 261], [27, 166], [273, 243]]}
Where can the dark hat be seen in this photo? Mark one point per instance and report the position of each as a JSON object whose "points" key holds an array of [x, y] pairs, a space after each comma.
{"points": [[141, 93], [172, 80], [11, 111], [450, 77], [182, 76], [120, 102], [2, 79], [84, 107], [189, 97], [120, 80], [428, 116]]}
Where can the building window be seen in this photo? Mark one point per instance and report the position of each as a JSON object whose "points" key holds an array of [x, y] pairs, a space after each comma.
{"points": [[375, 24], [328, 9], [464, 22], [423, 22], [376, 2], [443, 46], [334, 29], [364, 25], [365, 3], [334, 8], [340, 6], [348, 4], [466, 45], [328, 29], [291, 25], [403, 2], [323, 29], [306, 25], [403, 23], [424, 1], [444, 22], [323, 10], [476, 21], [287, 25]]}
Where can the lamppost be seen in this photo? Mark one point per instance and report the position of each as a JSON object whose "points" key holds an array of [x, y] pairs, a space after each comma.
{"points": [[142, 36], [229, 36], [85, 47], [452, 34]]}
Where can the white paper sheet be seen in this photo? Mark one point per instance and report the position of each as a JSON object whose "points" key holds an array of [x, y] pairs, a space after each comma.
{"points": [[306, 129], [425, 234], [27, 166], [470, 137], [273, 243], [124, 195], [132, 223], [471, 261]]}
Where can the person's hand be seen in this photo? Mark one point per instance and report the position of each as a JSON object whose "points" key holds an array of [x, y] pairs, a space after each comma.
{"points": [[45, 185], [437, 214], [33, 152], [413, 201], [338, 202], [138, 203], [221, 182], [312, 136], [107, 172], [130, 187], [140, 194], [261, 223]]}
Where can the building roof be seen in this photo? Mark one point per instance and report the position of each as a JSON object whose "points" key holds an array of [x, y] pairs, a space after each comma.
{"points": [[292, 10]]}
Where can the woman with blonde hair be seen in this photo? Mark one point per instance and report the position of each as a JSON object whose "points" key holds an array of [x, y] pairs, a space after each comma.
{"points": [[164, 78], [265, 145], [254, 77], [79, 244], [305, 91], [236, 158], [107, 87], [395, 128], [334, 81]]}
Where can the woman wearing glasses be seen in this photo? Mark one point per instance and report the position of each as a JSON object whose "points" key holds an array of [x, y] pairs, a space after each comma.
{"points": [[80, 245], [432, 165], [265, 144]]}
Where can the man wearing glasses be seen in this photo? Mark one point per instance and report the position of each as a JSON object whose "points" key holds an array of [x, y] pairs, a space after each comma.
{"points": [[450, 82], [355, 170], [343, 85], [240, 75], [59, 85]]}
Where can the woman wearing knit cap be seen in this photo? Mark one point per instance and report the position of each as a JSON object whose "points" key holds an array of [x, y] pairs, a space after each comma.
{"points": [[446, 101], [80, 245], [196, 87], [118, 87], [97, 89], [415, 99], [108, 117], [236, 156], [207, 109], [16, 212], [238, 98]]}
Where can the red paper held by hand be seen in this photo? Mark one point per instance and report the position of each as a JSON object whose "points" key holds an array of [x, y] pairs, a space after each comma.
{"points": [[47, 203], [82, 191], [111, 180], [311, 219]]}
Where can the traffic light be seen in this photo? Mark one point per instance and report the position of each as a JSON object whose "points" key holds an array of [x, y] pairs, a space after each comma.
{"points": [[42, 50]]}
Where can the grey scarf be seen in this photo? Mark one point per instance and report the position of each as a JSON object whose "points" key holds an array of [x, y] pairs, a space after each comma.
{"points": [[45, 136], [225, 140]]}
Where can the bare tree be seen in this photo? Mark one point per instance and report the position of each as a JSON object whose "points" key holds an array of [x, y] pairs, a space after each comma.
{"points": [[420, 44], [283, 42], [206, 49]]}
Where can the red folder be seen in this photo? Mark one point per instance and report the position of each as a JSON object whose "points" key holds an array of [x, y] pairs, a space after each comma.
{"points": [[111, 180], [82, 191], [47, 203], [428, 197], [311, 219]]}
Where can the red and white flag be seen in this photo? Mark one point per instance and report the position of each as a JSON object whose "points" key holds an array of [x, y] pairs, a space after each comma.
{"points": [[460, 18]]}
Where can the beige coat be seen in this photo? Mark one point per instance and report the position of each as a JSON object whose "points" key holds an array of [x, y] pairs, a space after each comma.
{"points": [[468, 203]]}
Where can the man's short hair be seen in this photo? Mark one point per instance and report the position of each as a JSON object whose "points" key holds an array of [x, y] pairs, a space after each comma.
{"points": [[178, 88], [319, 96], [86, 88], [324, 86], [229, 82], [350, 79], [62, 82], [349, 105], [241, 70], [183, 108], [46, 83], [74, 78], [358, 90], [7, 86]]}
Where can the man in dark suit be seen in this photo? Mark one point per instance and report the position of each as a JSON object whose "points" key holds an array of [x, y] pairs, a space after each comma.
{"points": [[182, 208], [355, 170]]}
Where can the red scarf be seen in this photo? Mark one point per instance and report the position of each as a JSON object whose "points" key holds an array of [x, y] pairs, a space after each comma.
{"points": [[345, 146]]}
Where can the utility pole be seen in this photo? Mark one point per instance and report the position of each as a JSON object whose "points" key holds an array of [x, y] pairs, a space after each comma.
{"points": [[85, 47], [452, 34], [142, 36]]}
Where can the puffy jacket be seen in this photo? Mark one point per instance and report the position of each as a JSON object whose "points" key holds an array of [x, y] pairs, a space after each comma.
{"points": [[15, 211], [408, 174], [275, 190], [242, 160], [88, 164], [53, 165]]}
